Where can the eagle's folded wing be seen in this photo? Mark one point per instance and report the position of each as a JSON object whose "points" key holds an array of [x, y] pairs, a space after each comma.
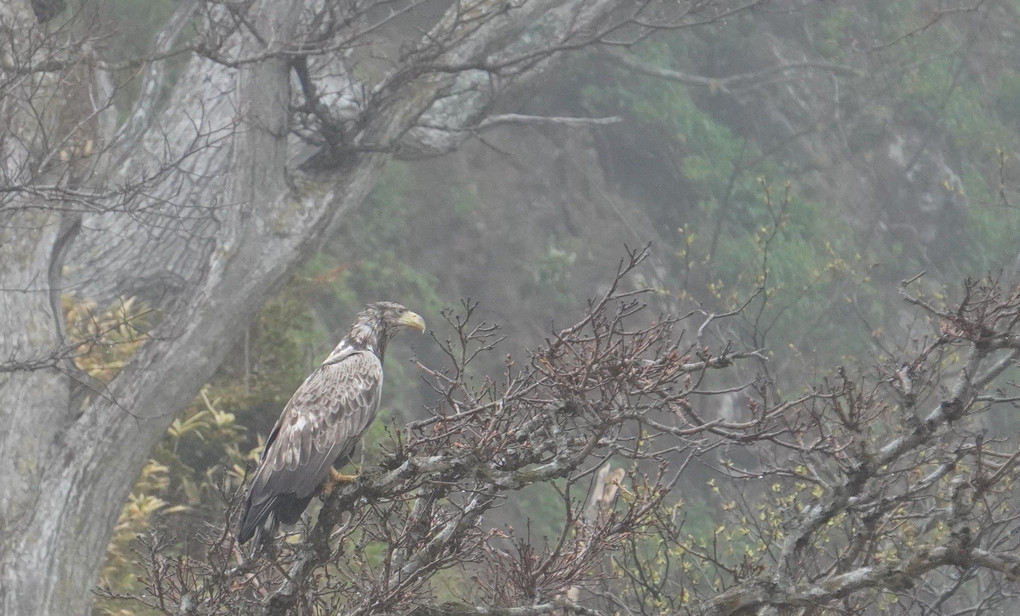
{"points": [[319, 426]]}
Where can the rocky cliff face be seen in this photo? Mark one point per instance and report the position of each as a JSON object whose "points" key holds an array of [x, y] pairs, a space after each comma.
{"points": [[885, 164]]}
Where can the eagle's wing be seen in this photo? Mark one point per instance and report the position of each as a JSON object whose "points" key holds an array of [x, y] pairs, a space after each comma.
{"points": [[322, 422]]}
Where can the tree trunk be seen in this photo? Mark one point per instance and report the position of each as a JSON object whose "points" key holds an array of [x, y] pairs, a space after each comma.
{"points": [[34, 406]]}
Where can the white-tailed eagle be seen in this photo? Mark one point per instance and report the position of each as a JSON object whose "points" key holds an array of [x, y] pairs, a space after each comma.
{"points": [[322, 422]]}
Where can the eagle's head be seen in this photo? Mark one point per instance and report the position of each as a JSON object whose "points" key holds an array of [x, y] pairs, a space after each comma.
{"points": [[376, 324]]}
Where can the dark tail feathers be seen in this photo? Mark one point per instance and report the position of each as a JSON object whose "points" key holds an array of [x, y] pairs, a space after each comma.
{"points": [[264, 517]]}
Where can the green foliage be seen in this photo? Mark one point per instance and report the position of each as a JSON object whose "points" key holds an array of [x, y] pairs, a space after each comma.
{"points": [[543, 512], [736, 235], [382, 235], [833, 31], [465, 199], [136, 517], [551, 276]]}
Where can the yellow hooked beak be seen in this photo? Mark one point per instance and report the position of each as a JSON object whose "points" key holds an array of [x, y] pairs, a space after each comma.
{"points": [[413, 321]]}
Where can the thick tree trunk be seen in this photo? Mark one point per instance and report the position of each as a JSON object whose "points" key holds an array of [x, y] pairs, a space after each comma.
{"points": [[34, 386], [34, 404]]}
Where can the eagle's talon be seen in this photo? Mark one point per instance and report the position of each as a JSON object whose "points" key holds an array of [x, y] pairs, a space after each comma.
{"points": [[335, 478], [339, 477]]}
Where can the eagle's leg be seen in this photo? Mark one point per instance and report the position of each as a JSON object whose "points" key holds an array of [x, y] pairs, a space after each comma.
{"points": [[334, 479]]}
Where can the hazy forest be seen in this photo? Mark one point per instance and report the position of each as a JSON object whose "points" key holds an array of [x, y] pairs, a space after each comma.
{"points": [[722, 296]]}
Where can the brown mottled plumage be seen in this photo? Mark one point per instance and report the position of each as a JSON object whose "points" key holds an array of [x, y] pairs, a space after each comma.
{"points": [[323, 421]]}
